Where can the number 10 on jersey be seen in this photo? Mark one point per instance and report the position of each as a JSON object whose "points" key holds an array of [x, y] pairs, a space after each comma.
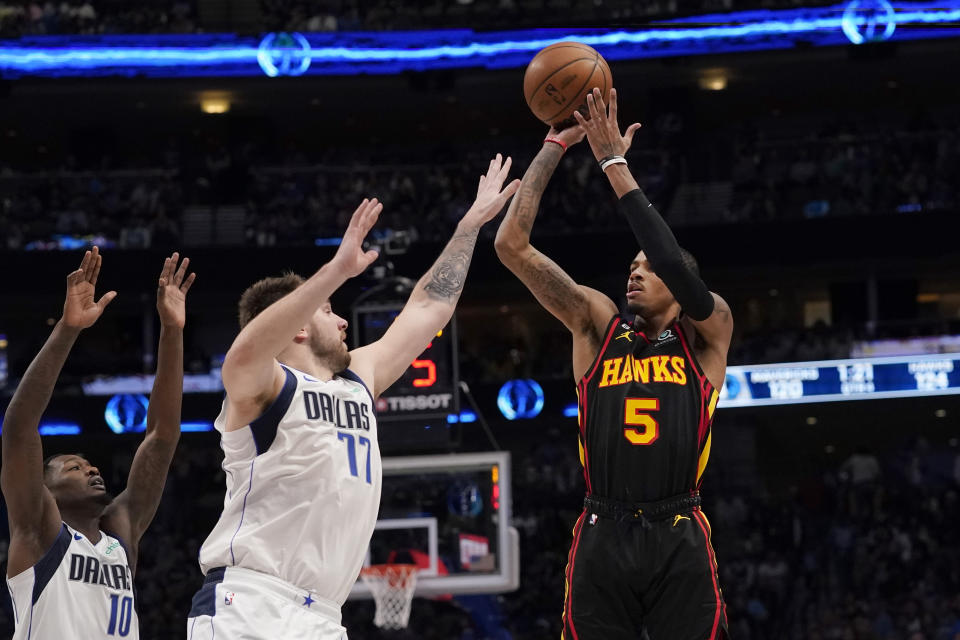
{"points": [[352, 452], [121, 615]]}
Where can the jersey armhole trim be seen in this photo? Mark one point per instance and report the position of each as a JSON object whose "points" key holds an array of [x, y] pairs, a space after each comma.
{"points": [[46, 566], [264, 428], [691, 355], [603, 347], [353, 377]]}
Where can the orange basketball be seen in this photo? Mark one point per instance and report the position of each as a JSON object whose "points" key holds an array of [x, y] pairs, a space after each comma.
{"points": [[558, 79]]}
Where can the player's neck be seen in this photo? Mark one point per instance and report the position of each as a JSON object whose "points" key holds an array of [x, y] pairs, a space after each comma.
{"points": [[85, 523], [655, 325], [306, 361]]}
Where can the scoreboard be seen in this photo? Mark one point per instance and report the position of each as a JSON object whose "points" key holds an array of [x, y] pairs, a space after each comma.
{"points": [[835, 380], [429, 388]]}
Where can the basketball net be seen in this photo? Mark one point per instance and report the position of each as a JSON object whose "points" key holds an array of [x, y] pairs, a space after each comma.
{"points": [[392, 586]]}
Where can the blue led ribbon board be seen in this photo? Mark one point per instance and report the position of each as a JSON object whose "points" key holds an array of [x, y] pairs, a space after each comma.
{"points": [[836, 380], [351, 53]]}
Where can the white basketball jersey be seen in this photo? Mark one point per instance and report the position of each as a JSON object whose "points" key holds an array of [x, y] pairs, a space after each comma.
{"points": [[78, 589], [303, 487]]}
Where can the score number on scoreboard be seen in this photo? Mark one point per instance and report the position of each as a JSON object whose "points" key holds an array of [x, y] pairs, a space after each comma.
{"points": [[428, 389]]}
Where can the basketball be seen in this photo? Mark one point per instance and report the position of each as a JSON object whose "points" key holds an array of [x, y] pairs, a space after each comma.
{"points": [[558, 79]]}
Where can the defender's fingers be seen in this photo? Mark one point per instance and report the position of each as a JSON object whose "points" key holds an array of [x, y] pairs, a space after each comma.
{"points": [[96, 270], [181, 271], [188, 282]]}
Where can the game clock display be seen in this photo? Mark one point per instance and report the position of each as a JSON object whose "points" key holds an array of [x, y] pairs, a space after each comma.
{"points": [[840, 380], [428, 389]]}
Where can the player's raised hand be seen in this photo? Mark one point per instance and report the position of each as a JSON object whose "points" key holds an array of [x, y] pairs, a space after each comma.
{"points": [[172, 290], [80, 310], [603, 132], [350, 256], [492, 196], [568, 136]]}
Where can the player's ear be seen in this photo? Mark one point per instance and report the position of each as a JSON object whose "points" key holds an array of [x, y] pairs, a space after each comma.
{"points": [[301, 336]]}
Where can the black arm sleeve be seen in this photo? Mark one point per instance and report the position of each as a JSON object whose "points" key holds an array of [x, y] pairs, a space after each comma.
{"points": [[663, 252]]}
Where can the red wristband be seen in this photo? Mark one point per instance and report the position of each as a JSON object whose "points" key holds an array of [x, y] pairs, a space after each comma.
{"points": [[559, 142]]}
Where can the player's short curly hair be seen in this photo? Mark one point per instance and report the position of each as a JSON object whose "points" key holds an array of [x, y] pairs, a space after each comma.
{"points": [[263, 293]]}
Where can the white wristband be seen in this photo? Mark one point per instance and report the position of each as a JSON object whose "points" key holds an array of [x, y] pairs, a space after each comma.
{"points": [[612, 161]]}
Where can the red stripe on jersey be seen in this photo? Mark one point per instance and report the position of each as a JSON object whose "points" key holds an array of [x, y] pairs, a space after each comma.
{"points": [[693, 361], [713, 573], [568, 608], [705, 398], [614, 323], [583, 437], [703, 423]]}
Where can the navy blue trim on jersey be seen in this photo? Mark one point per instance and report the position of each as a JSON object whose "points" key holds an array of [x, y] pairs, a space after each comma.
{"points": [[205, 600], [264, 428], [350, 375], [47, 565]]}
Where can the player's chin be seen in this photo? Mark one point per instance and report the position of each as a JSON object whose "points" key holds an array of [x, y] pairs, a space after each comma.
{"points": [[635, 307], [103, 498]]}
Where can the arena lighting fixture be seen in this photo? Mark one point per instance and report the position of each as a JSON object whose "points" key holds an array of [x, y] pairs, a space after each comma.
{"points": [[713, 80], [349, 53], [59, 429], [214, 102]]}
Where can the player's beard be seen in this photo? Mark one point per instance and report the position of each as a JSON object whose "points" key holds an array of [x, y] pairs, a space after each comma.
{"points": [[636, 308], [331, 351]]}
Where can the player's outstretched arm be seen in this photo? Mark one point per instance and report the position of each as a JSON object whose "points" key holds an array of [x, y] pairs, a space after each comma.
{"points": [[433, 300], [129, 515], [706, 311], [252, 376], [31, 509], [584, 311]]}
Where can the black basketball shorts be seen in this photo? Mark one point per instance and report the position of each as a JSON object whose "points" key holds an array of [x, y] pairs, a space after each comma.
{"points": [[626, 575]]}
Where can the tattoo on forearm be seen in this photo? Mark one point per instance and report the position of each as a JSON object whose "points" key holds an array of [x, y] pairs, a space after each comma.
{"points": [[446, 278], [534, 184], [551, 285]]}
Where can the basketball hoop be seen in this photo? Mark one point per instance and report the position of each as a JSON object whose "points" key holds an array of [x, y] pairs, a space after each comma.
{"points": [[392, 586]]}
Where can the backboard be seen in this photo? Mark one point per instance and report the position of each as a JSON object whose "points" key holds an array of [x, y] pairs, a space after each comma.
{"points": [[450, 514]]}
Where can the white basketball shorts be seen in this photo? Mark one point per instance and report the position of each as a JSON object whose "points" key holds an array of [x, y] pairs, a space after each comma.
{"points": [[239, 604]]}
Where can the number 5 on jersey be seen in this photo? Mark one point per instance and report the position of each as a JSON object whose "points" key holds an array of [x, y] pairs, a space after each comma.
{"points": [[641, 427]]}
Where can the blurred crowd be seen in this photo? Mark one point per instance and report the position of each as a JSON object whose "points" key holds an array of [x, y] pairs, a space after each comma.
{"points": [[92, 17], [294, 198], [293, 202], [863, 550], [383, 15], [36, 17], [842, 170]]}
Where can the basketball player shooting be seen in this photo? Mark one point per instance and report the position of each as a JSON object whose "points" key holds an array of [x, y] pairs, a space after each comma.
{"points": [[73, 547], [647, 386], [299, 436]]}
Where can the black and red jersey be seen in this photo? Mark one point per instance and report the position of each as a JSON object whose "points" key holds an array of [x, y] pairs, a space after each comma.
{"points": [[645, 409]]}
